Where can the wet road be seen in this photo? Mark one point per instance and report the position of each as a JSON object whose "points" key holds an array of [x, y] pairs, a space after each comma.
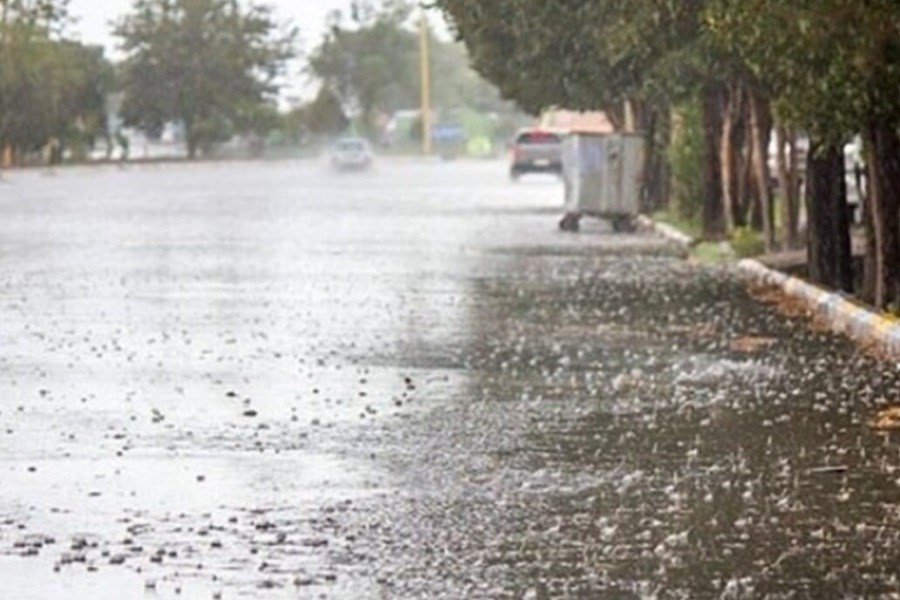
{"points": [[271, 381]]}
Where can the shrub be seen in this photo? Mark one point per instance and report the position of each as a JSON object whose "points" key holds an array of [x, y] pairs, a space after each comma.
{"points": [[685, 156], [747, 242]]}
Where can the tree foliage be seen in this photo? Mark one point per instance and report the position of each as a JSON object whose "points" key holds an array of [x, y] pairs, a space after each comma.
{"points": [[583, 55], [834, 69], [604, 54], [324, 116], [204, 63], [51, 89], [369, 61], [827, 68]]}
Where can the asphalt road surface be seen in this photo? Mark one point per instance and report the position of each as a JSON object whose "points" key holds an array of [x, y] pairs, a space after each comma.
{"points": [[246, 380]]}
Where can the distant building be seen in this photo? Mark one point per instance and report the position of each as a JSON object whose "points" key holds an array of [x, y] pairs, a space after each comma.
{"points": [[569, 120]]}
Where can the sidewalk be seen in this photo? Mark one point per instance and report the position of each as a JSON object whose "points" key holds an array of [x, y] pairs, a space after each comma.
{"points": [[840, 313]]}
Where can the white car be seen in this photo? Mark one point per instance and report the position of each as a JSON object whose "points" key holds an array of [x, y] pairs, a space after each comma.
{"points": [[351, 153]]}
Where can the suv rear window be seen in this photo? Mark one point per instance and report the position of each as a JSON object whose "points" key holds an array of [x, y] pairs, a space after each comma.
{"points": [[538, 137]]}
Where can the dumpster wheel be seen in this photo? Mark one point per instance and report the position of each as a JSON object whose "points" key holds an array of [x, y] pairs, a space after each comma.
{"points": [[570, 222], [623, 224]]}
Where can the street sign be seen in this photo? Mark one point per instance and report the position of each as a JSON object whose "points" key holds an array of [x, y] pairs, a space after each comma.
{"points": [[447, 132]]}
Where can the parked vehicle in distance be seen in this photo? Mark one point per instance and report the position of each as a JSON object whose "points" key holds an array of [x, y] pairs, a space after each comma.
{"points": [[351, 153], [536, 151]]}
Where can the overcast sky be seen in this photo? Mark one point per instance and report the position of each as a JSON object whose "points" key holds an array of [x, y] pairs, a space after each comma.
{"points": [[94, 17]]}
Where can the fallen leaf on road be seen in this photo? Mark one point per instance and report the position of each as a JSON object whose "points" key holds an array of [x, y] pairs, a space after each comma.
{"points": [[888, 419], [751, 344]]}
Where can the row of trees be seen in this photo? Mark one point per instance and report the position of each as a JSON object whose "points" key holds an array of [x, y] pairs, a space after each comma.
{"points": [[368, 63], [210, 65], [52, 91], [817, 70], [215, 68]]}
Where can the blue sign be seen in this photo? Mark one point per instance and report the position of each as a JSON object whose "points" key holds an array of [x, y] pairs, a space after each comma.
{"points": [[447, 132]]}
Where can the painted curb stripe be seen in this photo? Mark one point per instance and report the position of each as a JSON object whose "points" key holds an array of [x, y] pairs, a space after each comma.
{"points": [[829, 304], [882, 328], [894, 339], [855, 322], [666, 231], [861, 323], [844, 316]]}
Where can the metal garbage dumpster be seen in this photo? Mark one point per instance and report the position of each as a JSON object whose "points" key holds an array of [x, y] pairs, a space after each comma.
{"points": [[604, 177]]}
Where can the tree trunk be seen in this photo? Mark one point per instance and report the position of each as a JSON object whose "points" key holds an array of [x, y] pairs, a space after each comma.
{"points": [[633, 113], [788, 185], [747, 195], [728, 157], [867, 293], [654, 192], [190, 138], [884, 196], [192, 147], [760, 128], [830, 258], [616, 114], [713, 216]]}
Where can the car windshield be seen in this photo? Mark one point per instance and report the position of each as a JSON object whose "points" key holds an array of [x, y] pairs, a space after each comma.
{"points": [[538, 137], [351, 145]]}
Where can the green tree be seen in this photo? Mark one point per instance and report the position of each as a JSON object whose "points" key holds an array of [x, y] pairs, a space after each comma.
{"points": [[324, 116], [51, 89], [834, 69], [457, 85], [77, 81], [829, 68], [370, 62], [203, 63], [600, 55]]}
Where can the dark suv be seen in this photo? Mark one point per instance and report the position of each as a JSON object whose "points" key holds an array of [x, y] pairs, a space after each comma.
{"points": [[536, 151]]}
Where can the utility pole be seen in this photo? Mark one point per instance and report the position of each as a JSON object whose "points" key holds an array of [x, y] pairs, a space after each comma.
{"points": [[424, 57]]}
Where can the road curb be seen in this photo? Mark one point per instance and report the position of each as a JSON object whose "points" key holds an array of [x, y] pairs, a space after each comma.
{"points": [[841, 314], [667, 231]]}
